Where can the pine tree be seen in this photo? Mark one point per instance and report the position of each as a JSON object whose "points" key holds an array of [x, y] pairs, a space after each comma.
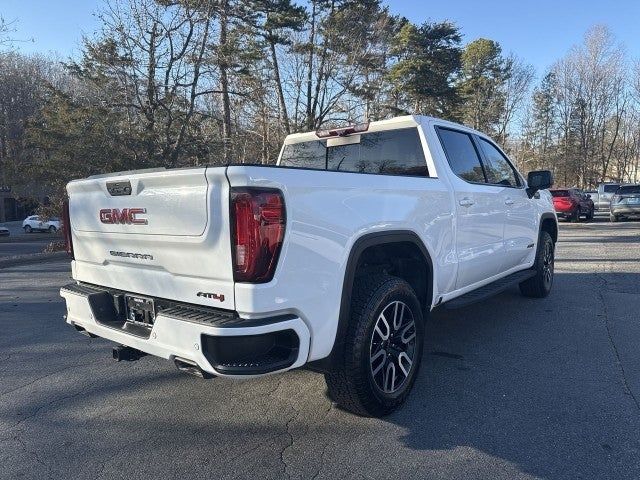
{"points": [[426, 59], [481, 83], [273, 21]]}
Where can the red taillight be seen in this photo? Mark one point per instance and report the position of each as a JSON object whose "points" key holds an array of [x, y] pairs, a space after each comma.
{"points": [[66, 228], [258, 220]]}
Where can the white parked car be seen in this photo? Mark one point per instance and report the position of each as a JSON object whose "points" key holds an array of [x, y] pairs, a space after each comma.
{"points": [[35, 224], [331, 259]]}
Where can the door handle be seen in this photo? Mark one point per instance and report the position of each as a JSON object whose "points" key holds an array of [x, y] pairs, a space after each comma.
{"points": [[509, 201], [466, 202]]}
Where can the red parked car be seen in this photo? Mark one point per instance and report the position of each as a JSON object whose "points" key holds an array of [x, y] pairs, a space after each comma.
{"points": [[571, 203]]}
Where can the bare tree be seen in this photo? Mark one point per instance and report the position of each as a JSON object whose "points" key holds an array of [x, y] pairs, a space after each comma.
{"points": [[519, 77], [587, 100], [150, 59]]}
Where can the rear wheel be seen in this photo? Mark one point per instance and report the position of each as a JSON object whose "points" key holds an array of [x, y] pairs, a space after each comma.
{"points": [[590, 214], [383, 347], [52, 229], [539, 285], [576, 216], [28, 229]]}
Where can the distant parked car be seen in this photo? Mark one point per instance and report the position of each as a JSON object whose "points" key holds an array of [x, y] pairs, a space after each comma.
{"points": [[625, 202], [35, 223], [571, 203], [4, 232], [605, 192]]}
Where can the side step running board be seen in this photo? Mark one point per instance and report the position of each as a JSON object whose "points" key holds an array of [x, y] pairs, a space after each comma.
{"points": [[489, 290]]}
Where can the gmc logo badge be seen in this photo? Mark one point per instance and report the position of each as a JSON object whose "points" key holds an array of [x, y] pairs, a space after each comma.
{"points": [[124, 216]]}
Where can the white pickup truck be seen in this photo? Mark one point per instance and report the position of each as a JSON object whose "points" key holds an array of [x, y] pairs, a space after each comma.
{"points": [[331, 259]]}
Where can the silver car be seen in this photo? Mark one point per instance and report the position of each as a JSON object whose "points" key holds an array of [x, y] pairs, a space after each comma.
{"points": [[625, 202]]}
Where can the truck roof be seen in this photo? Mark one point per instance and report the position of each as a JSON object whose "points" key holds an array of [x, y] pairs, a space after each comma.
{"points": [[382, 125]]}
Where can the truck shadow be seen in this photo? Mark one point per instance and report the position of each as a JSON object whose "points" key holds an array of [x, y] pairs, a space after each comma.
{"points": [[536, 382]]}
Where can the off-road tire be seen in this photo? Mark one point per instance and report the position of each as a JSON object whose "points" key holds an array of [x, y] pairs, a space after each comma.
{"points": [[540, 285], [351, 384], [590, 214], [575, 218]]}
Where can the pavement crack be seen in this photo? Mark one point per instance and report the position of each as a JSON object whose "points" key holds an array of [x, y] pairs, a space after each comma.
{"points": [[327, 412], [103, 463], [321, 466], [289, 443], [32, 453], [47, 405], [275, 389], [614, 347]]}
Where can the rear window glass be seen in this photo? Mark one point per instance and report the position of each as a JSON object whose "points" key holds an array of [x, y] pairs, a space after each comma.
{"points": [[559, 193], [611, 188], [462, 155], [629, 189], [394, 152]]}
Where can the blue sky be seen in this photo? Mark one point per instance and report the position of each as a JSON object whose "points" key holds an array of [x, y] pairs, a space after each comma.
{"points": [[539, 31]]}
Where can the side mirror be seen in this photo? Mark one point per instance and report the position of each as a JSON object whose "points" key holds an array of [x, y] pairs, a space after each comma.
{"points": [[539, 180]]}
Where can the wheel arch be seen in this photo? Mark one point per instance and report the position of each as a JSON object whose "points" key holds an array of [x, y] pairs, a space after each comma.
{"points": [[360, 248], [549, 223]]}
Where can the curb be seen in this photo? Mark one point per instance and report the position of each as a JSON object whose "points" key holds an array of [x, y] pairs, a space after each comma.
{"points": [[31, 258]]}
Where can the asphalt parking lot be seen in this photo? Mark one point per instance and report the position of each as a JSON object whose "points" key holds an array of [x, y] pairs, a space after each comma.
{"points": [[509, 388], [10, 247], [21, 243]]}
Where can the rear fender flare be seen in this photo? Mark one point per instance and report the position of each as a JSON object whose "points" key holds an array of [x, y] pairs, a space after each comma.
{"points": [[359, 246]]}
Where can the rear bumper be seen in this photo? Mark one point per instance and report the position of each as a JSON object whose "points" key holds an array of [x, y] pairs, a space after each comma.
{"points": [[566, 212], [219, 342], [623, 209]]}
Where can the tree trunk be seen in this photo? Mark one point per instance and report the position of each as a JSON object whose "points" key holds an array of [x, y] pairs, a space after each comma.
{"points": [[312, 46], [284, 116], [224, 84], [151, 96], [264, 151]]}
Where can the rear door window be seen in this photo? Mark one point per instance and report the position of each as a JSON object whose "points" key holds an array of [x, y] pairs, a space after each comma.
{"points": [[628, 189], [393, 152], [498, 169], [462, 155], [611, 188]]}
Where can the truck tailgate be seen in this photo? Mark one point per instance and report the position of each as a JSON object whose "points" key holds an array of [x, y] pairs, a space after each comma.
{"points": [[160, 233]]}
